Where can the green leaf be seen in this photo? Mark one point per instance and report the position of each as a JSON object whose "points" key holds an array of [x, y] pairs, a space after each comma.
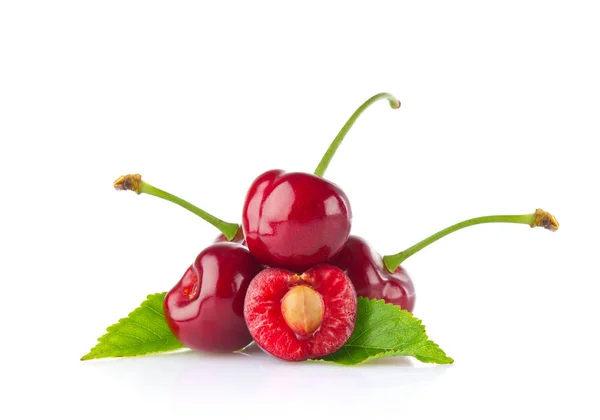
{"points": [[385, 330], [144, 331]]}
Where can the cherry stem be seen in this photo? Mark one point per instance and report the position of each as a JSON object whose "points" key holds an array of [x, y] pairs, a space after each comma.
{"points": [[540, 218], [134, 182], [394, 103]]}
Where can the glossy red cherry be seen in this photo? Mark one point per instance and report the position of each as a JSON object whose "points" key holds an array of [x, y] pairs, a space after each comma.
{"points": [[295, 220], [298, 220], [298, 317], [205, 309], [370, 277]]}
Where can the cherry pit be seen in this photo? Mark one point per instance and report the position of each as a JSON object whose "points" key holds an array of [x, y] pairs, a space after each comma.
{"points": [[289, 275]]}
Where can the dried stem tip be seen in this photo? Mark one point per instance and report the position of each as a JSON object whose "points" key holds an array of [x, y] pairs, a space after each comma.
{"points": [[544, 219], [132, 182]]}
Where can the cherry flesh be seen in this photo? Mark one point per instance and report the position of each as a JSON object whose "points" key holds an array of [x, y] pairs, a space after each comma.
{"points": [[205, 309], [298, 317], [370, 277], [295, 220]]}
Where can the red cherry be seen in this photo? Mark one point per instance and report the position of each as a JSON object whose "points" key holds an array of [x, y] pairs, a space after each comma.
{"points": [[369, 276], [295, 220], [299, 220], [298, 317], [205, 309]]}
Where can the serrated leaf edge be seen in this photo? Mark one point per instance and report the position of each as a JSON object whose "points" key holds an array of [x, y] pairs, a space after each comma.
{"points": [[390, 352], [95, 354]]}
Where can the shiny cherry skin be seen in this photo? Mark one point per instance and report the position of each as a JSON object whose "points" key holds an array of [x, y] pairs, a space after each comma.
{"points": [[205, 309], [295, 220], [369, 276]]}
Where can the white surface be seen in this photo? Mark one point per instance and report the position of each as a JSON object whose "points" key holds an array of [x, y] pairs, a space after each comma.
{"points": [[499, 115]]}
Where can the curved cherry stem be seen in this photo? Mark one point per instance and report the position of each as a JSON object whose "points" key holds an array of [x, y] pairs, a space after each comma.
{"points": [[540, 218], [134, 182], [394, 103]]}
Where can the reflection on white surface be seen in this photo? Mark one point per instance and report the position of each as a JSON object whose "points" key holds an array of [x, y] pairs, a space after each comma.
{"points": [[262, 373], [187, 377]]}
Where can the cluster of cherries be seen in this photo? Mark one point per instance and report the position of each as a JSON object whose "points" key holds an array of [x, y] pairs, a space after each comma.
{"points": [[288, 278]]}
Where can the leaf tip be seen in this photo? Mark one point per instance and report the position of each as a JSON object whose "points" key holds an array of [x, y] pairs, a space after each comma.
{"points": [[447, 360]]}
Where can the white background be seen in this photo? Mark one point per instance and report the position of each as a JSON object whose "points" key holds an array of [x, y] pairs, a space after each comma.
{"points": [[500, 106]]}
